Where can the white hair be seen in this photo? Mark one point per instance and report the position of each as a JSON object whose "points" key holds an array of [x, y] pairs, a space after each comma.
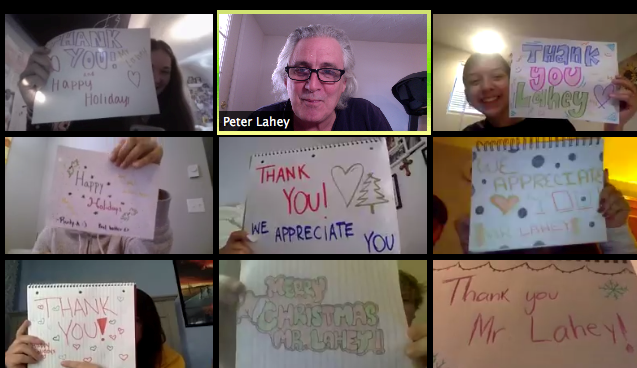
{"points": [[279, 75]]}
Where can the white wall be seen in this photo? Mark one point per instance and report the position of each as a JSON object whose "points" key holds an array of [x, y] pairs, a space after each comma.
{"points": [[445, 62], [379, 65], [29, 174]]}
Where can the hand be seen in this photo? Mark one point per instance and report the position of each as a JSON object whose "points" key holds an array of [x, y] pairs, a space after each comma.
{"points": [[21, 352], [612, 205], [70, 364], [230, 291], [237, 244], [138, 151], [627, 102], [35, 75], [417, 350], [462, 225]]}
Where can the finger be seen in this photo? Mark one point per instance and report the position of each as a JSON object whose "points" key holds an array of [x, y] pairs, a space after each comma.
{"points": [[238, 236], [624, 82], [22, 330], [134, 155], [150, 158], [606, 174], [128, 146], [34, 76], [27, 339], [70, 364], [42, 60], [18, 359], [116, 150], [241, 248], [611, 203], [623, 96], [604, 197], [417, 332], [26, 350], [417, 349]]}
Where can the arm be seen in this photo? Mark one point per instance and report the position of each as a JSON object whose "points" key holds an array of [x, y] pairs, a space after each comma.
{"points": [[43, 243]]}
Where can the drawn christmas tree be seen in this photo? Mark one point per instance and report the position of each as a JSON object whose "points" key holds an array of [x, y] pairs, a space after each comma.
{"points": [[371, 196]]}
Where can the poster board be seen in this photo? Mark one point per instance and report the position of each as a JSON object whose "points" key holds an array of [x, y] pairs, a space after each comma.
{"points": [[526, 314], [89, 193], [357, 316], [568, 79], [98, 73], [328, 199]]}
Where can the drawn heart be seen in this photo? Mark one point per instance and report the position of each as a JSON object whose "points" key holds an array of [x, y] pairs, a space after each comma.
{"points": [[55, 63], [123, 356], [518, 69], [134, 77], [120, 330], [62, 357], [347, 181], [120, 298], [56, 338], [112, 321], [94, 347], [76, 346], [112, 336], [40, 307], [56, 308], [603, 94], [110, 348], [88, 360], [504, 204], [41, 322]]}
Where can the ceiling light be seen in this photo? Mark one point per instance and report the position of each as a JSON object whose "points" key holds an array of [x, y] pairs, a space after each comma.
{"points": [[488, 42]]}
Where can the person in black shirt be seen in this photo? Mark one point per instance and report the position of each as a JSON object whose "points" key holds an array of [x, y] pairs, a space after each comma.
{"points": [[486, 81]]}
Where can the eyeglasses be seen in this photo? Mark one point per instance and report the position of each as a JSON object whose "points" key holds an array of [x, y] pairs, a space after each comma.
{"points": [[324, 74]]}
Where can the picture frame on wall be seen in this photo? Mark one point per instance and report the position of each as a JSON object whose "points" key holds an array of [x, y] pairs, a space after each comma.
{"points": [[196, 291], [398, 152], [397, 200]]}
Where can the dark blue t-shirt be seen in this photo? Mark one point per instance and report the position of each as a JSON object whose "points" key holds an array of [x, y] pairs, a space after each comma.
{"points": [[359, 114]]}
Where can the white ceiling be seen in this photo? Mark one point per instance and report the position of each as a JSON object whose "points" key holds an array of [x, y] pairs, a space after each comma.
{"points": [[396, 28], [196, 53], [456, 30]]}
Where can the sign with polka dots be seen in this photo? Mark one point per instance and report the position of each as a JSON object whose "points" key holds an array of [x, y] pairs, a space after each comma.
{"points": [[536, 195], [89, 193]]}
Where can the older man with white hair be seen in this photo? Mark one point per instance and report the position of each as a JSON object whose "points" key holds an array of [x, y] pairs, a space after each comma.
{"points": [[315, 80]]}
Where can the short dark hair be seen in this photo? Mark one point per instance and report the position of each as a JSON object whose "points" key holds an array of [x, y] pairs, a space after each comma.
{"points": [[410, 288], [440, 211], [477, 57]]}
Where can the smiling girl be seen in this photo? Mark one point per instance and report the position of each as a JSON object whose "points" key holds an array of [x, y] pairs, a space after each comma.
{"points": [[486, 81]]}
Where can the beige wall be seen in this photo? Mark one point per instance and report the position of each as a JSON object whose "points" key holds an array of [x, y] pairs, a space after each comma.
{"points": [[451, 187]]}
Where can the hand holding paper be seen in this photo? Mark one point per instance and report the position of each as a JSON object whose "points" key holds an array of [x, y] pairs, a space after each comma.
{"points": [[91, 194]]}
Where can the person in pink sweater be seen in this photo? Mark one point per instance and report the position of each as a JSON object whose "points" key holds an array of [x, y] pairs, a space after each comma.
{"points": [[133, 153]]}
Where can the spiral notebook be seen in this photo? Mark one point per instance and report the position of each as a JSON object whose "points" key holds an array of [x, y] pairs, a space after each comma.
{"points": [[92, 323], [329, 199], [530, 193]]}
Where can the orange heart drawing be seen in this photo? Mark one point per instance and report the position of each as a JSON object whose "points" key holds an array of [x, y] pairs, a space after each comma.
{"points": [[504, 204]]}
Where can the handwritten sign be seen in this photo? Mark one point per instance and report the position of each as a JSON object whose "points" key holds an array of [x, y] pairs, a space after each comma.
{"points": [[321, 314], [553, 78], [93, 323], [98, 73], [90, 193], [335, 199], [536, 195], [492, 314]]}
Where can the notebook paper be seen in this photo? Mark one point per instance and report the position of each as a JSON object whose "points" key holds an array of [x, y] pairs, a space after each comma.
{"points": [[528, 314], [316, 314], [92, 323]]}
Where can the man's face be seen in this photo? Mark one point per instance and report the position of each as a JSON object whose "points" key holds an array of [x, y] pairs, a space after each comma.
{"points": [[314, 101]]}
